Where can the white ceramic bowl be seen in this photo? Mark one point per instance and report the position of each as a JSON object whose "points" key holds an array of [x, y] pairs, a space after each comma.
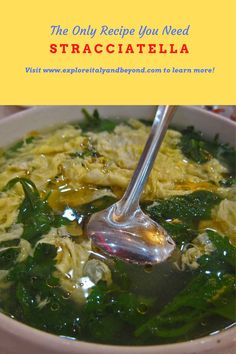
{"points": [[17, 338]]}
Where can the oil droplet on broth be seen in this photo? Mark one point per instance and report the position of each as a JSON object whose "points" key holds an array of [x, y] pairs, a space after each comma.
{"points": [[74, 229], [62, 196], [142, 309], [33, 279], [50, 284], [55, 307], [66, 295], [148, 268], [224, 301]]}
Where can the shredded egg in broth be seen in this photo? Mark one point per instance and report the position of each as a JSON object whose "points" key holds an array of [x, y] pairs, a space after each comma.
{"points": [[71, 172]]}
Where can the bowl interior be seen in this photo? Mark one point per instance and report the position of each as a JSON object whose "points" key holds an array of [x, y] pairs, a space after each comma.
{"points": [[15, 126], [16, 337]]}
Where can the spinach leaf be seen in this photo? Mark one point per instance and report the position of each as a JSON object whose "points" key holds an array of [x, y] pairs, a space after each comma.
{"points": [[228, 182], [12, 150], [8, 257], [88, 149], [35, 214], [10, 243], [97, 317], [181, 233], [226, 154], [211, 291], [120, 276], [196, 148], [85, 153], [190, 207], [189, 307], [224, 250], [94, 123], [187, 209], [34, 283], [146, 122], [112, 306], [223, 259], [226, 308], [9, 251]]}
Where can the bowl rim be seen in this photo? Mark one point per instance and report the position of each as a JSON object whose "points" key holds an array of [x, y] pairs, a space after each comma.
{"points": [[30, 335], [31, 109], [34, 110], [223, 339]]}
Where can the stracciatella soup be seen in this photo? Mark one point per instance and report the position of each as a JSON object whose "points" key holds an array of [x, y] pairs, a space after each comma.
{"points": [[51, 276]]}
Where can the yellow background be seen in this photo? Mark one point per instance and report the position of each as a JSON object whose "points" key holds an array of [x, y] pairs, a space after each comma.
{"points": [[25, 38]]}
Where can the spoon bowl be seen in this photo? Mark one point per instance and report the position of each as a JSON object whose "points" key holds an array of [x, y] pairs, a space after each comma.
{"points": [[123, 230], [135, 238]]}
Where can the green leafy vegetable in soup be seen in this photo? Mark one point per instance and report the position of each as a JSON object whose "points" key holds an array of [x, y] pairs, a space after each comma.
{"points": [[53, 279]]}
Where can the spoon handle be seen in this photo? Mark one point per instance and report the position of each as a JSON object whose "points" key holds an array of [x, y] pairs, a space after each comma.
{"points": [[130, 200]]}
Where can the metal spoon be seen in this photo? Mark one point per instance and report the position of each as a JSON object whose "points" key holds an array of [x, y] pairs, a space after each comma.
{"points": [[123, 230]]}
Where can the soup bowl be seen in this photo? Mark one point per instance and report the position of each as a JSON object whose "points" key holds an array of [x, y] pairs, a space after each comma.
{"points": [[16, 337]]}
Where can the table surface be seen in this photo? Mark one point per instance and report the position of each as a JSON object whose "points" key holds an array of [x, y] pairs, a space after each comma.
{"points": [[8, 110]]}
